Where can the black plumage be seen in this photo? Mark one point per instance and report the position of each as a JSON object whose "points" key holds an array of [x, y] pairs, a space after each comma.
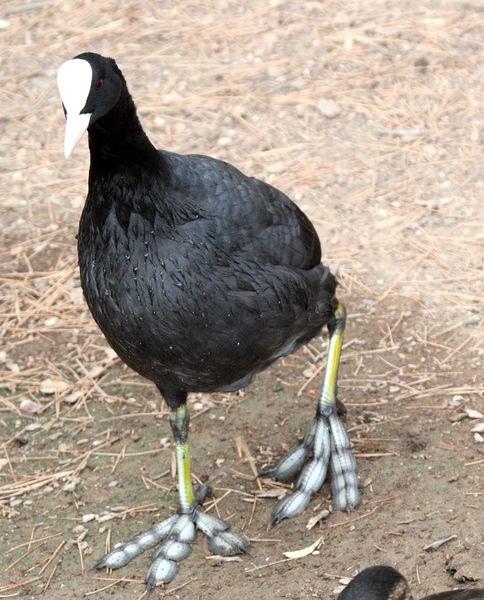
{"points": [[198, 276], [382, 582]]}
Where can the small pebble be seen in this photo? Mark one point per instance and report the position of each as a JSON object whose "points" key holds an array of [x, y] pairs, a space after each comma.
{"points": [[52, 386], [89, 517], [73, 398], [328, 108], [78, 529], [29, 406]]}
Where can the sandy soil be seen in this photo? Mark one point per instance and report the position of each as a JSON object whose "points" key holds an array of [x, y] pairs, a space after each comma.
{"points": [[370, 117]]}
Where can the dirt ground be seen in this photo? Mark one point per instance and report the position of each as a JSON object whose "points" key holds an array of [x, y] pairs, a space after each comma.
{"points": [[369, 115]]}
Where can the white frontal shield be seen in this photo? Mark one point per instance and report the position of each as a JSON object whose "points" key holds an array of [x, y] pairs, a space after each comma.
{"points": [[74, 79]]}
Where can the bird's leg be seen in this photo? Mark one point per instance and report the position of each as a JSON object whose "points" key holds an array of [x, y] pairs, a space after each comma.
{"points": [[175, 534], [180, 422], [177, 545], [326, 444]]}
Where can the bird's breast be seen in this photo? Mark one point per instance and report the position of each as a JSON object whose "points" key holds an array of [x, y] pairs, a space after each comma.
{"points": [[147, 290]]}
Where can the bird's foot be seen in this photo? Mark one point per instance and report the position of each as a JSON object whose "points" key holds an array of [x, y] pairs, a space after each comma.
{"points": [[327, 444], [173, 538]]}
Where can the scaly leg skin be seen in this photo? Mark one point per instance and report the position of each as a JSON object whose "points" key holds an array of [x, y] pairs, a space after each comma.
{"points": [[326, 444], [175, 534]]}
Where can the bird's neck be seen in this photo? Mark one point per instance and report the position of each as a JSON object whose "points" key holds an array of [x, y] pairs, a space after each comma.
{"points": [[118, 143]]}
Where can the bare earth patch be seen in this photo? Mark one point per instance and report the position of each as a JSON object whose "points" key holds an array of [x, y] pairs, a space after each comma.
{"points": [[369, 115]]}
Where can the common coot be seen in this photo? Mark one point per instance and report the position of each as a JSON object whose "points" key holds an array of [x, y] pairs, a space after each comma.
{"points": [[199, 277]]}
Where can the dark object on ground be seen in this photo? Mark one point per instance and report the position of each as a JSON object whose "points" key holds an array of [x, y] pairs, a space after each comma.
{"points": [[386, 583], [199, 277]]}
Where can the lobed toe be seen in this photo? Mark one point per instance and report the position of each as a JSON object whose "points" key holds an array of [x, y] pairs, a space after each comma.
{"points": [[290, 465], [228, 543], [209, 525], [290, 506], [173, 550], [161, 570]]}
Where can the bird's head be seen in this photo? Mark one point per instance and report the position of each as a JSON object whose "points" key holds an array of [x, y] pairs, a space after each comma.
{"points": [[377, 583], [90, 85]]}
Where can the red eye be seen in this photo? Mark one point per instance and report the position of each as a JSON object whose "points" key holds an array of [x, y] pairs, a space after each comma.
{"points": [[99, 85]]}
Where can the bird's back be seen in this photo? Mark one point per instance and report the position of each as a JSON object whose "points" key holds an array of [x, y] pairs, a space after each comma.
{"points": [[247, 217]]}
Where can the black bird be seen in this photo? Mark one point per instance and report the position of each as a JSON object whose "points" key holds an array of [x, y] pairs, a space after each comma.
{"points": [[199, 277], [386, 583]]}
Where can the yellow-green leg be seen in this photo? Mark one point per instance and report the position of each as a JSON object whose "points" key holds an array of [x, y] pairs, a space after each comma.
{"points": [[175, 535], [180, 422], [337, 328], [344, 478], [326, 445]]}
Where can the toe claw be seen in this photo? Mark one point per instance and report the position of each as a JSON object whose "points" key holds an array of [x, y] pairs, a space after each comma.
{"points": [[227, 543], [161, 570]]}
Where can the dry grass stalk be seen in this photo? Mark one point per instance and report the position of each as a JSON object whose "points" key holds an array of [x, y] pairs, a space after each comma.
{"points": [[243, 449]]}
